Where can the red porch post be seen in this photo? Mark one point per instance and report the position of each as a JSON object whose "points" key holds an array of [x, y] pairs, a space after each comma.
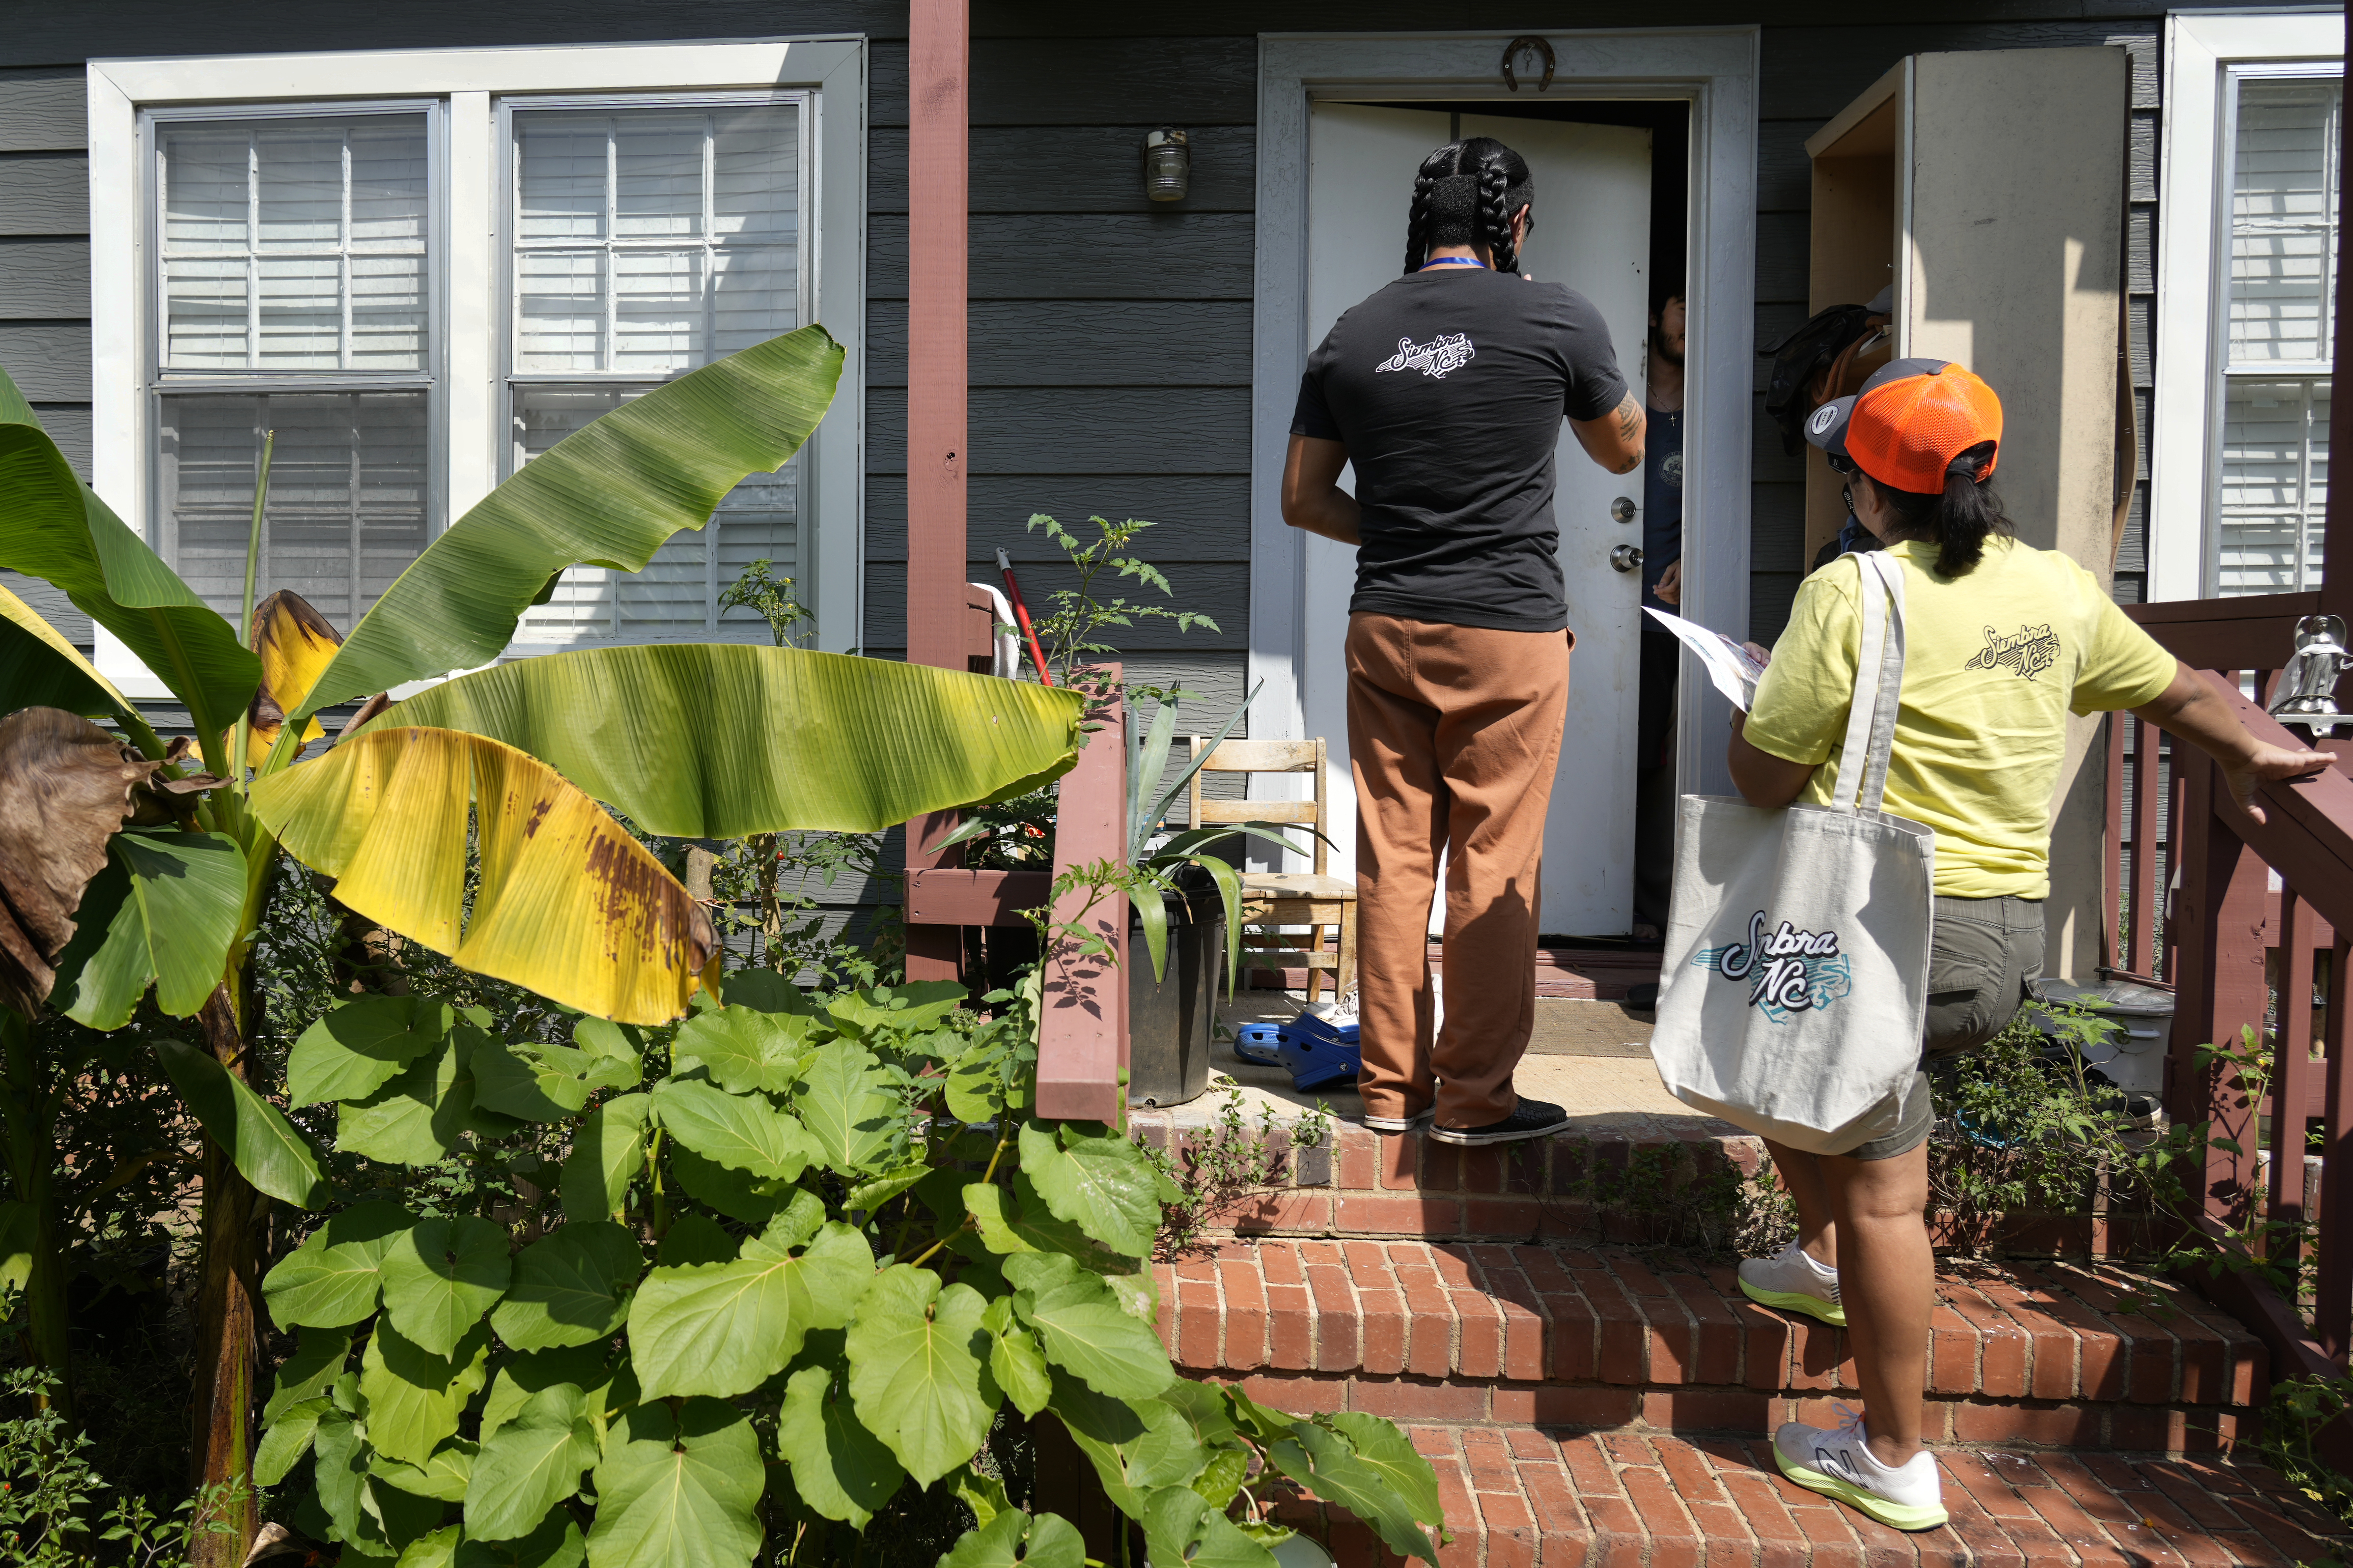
{"points": [[939, 91]]}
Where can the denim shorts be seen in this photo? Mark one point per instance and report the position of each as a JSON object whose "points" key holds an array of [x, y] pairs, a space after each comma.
{"points": [[1981, 954]]}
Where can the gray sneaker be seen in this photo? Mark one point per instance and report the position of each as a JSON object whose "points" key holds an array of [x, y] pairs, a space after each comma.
{"points": [[1790, 1281], [1414, 1123], [1839, 1464]]}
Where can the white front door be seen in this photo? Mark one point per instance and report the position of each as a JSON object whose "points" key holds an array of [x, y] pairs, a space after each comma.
{"points": [[1593, 233]]}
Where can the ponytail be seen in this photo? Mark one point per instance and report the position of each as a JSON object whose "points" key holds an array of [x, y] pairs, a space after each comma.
{"points": [[1465, 194], [1960, 518]]}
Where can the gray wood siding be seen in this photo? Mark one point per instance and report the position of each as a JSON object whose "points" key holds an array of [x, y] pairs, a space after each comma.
{"points": [[44, 278], [1110, 338]]}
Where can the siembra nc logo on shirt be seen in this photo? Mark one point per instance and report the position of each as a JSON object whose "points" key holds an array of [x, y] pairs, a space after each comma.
{"points": [[2026, 653], [1434, 358]]}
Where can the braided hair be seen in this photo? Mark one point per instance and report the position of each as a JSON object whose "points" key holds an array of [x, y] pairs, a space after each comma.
{"points": [[1465, 194]]}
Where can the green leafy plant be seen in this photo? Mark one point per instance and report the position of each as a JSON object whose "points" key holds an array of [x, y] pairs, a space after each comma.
{"points": [[2025, 1125], [2299, 1410], [477, 823], [57, 1512], [815, 1253], [1071, 633], [1236, 1155], [759, 590]]}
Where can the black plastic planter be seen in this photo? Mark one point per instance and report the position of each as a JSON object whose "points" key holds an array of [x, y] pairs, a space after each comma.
{"points": [[1169, 1020]]}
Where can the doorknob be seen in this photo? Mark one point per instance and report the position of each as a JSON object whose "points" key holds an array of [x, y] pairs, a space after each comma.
{"points": [[1622, 508], [1626, 557]]}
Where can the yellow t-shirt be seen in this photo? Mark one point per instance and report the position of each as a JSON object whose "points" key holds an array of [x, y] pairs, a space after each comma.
{"points": [[1993, 662]]}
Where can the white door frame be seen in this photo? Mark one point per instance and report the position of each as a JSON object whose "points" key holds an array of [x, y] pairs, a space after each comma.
{"points": [[1715, 70]]}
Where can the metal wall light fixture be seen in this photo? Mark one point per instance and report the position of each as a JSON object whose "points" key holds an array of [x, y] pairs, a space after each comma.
{"points": [[1168, 165]]}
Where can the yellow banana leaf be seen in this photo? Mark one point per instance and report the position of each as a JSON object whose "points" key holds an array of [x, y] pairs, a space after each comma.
{"points": [[295, 643], [569, 905], [719, 739], [39, 669]]}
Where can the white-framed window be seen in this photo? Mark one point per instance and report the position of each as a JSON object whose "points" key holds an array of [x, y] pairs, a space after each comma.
{"points": [[421, 269], [2247, 219]]}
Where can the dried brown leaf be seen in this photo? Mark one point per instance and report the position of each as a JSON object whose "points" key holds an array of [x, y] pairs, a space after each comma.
{"points": [[66, 786]]}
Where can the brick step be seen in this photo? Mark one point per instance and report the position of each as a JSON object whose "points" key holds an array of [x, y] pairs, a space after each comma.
{"points": [[1626, 1177], [1523, 1498], [2040, 1357]]}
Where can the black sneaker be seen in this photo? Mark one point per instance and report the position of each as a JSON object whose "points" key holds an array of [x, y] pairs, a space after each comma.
{"points": [[1530, 1118]]}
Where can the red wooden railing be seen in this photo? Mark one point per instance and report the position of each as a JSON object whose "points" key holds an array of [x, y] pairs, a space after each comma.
{"points": [[1083, 1036], [1082, 1030], [1082, 1046], [2190, 902]]}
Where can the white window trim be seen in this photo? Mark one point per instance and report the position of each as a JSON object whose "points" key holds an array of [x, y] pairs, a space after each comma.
{"points": [[472, 81], [2201, 49]]}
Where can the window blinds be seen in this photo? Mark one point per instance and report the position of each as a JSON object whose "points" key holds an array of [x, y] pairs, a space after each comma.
{"points": [[347, 493], [2272, 478], [648, 241], [295, 258], [293, 245]]}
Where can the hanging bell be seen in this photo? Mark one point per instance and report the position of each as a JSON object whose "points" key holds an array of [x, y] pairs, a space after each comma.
{"points": [[1168, 165], [2306, 694]]}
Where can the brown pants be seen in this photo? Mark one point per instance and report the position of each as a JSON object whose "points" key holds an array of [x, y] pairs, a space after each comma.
{"points": [[1453, 732]]}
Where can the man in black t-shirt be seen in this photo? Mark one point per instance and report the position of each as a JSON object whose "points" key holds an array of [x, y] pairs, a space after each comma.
{"points": [[1446, 389], [1663, 579]]}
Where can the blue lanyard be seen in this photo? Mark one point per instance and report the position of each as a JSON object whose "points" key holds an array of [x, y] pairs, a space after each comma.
{"points": [[1451, 261]]}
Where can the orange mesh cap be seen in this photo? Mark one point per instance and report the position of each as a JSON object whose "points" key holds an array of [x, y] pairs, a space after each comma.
{"points": [[1911, 419]]}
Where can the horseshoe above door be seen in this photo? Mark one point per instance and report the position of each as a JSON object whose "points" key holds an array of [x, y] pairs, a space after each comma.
{"points": [[1539, 47]]}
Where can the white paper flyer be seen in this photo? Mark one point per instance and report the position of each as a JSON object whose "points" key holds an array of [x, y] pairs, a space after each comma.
{"points": [[1732, 668]]}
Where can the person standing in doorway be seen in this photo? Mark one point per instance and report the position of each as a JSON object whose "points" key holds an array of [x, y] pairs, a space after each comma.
{"points": [[1446, 390], [1663, 590]]}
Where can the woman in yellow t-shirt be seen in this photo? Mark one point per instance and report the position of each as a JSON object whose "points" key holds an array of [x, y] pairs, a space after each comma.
{"points": [[2002, 642]]}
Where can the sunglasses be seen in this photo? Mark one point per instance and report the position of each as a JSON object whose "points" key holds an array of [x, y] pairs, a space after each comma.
{"points": [[1842, 465]]}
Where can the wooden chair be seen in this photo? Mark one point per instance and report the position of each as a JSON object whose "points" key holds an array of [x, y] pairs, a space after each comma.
{"points": [[1273, 900]]}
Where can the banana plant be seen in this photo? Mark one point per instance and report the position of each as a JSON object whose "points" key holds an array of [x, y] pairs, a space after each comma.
{"points": [[515, 763]]}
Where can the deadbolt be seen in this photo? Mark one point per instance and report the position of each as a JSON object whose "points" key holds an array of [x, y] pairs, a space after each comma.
{"points": [[1626, 557], [1622, 508]]}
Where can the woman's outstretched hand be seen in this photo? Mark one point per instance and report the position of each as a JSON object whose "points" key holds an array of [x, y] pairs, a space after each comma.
{"points": [[2193, 710], [2269, 764]]}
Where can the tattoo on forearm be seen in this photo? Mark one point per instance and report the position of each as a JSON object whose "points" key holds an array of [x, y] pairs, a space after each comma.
{"points": [[1630, 419], [1629, 432]]}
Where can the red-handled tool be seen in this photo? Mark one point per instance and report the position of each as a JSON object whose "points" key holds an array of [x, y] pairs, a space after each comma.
{"points": [[1021, 614]]}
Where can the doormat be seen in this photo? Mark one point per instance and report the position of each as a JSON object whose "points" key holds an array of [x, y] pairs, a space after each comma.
{"points": [[1569, 1028]]}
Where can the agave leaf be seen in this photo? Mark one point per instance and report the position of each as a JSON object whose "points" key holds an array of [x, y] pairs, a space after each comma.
{"points": [[568, 904], [610, 494], [717, 740]]}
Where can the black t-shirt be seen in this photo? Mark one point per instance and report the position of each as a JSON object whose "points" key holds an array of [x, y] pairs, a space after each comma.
{"points": [[1662, 508], [1448, 388]]}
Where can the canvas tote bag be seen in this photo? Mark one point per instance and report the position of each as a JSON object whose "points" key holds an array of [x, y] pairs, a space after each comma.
{"points": [[1795, 982]]}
